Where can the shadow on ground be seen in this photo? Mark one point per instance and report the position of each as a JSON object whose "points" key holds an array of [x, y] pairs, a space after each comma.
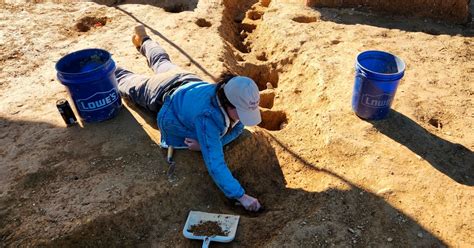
{"points": [[293, 217], [42, 162], [366, 17], [453, 160], [171, 6]]}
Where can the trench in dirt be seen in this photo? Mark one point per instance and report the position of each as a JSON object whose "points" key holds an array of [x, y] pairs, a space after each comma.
{"points": [[240, 20]]}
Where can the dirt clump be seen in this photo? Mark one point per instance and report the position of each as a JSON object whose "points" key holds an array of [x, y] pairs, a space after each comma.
{"points": [[88, 22], [208, 229]]}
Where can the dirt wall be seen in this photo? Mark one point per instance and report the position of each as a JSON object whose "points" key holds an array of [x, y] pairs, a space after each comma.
{"points": [[456, 11]]}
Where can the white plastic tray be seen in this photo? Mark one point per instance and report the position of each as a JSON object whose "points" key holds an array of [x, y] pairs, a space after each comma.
{"points": [[227, 222]]}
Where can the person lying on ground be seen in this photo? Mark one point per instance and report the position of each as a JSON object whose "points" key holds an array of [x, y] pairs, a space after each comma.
{"points": [[192, 113]]}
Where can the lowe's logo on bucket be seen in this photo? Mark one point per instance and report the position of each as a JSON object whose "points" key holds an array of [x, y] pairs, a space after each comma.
{"points": [[378, 101], [98, 101]]}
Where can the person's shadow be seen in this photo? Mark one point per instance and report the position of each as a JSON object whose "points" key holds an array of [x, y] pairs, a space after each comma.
{"points": [[293, 217], [453, 160]]}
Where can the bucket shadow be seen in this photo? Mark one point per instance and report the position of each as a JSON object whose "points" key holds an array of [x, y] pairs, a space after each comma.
{"points": [[453, 160], [294, 217]]}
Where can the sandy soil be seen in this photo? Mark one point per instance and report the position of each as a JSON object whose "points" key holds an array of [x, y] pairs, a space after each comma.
{"points": [[326, 177]]}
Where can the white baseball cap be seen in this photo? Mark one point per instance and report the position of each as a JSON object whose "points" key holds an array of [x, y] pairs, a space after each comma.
{"points": [[243, 93]]}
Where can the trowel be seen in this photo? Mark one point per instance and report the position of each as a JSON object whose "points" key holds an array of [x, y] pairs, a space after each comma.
{"points": [[228, 224], [171, 163]]}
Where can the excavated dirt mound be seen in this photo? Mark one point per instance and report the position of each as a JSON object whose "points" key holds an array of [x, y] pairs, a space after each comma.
{"points": [[325, 177]]}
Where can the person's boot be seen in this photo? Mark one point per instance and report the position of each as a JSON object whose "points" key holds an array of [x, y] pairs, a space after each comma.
{"points": [[140, 36]]}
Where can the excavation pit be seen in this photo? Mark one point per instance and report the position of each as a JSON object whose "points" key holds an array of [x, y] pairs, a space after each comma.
{"points": [[435, 122], [262, 57], [253, 154], [254, 15], [203, 23], [261, 74], [273, 120]]}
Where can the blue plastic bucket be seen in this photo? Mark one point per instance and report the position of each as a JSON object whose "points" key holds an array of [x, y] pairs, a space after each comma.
{"points": [[89, 77], [376, 80]]}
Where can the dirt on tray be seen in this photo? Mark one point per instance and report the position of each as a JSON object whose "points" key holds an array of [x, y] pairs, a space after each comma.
{"points": [[326, 177], [208, 229]]}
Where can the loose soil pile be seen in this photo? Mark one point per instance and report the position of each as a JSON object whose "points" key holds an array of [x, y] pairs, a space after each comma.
{"points": [[325, 177]]}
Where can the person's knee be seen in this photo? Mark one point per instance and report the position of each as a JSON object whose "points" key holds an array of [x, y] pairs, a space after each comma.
{"points": [[121, 73]]}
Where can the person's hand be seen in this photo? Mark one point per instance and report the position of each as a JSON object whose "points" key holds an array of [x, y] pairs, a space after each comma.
{"points": [[192, 144], [249, 203]]}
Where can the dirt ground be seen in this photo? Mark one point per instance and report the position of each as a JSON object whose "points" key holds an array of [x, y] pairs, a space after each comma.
{"points": [[325, 177]]}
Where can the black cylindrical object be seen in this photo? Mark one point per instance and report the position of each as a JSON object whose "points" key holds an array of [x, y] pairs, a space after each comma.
{"points": [[66, 111]]}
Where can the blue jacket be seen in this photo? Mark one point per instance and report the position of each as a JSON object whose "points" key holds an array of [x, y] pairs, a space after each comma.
{"points": [[193, 111]]}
